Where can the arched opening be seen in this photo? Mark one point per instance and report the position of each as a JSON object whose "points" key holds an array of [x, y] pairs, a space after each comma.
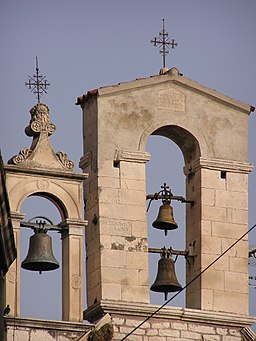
{"points": [[166, 165], [171, 148], [40, 293]]}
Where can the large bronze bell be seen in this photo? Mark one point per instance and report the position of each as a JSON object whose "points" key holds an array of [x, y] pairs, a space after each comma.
{"points": [[165, 220], [166, 280], [40, 256]]}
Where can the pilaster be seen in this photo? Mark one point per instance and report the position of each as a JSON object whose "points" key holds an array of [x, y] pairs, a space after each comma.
{"points": [[12, 277], [72, 270], [216, 221]]}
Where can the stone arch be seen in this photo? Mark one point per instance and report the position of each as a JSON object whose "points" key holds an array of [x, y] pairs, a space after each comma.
{"points": [[64, 190], [191, 142], [65, 201]]}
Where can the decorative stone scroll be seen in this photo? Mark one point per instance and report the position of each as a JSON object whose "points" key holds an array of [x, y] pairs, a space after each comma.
{"points": [[22, 156], [218, 164], [131, 156], [63, 158]]}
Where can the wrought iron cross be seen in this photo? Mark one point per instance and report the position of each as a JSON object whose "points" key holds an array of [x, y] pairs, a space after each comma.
{"points": [[37, 83], [164, 43]]}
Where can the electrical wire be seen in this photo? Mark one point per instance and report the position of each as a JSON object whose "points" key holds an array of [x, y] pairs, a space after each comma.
{"points": [[190, 282]]}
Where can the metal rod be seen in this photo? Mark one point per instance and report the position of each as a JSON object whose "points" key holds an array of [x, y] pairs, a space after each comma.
{"points": [[46, 226], [170, 251], [157, 196]]}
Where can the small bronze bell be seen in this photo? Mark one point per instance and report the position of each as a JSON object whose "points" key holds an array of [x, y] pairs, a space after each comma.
{"points": [[165, 220], [166, 280], [40, 256]]}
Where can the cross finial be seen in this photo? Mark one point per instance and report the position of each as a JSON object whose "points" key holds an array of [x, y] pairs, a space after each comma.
{"points": [[37, 83], [164, 43]]}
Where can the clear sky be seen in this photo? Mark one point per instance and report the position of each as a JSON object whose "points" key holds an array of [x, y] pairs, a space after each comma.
{"points": [[82, 45]]}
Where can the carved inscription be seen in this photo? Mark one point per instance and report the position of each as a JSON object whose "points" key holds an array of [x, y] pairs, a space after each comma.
{"points": [[119, 228], [171, 99]]}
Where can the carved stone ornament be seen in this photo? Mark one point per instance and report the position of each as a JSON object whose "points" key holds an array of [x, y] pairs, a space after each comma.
{"points": [[22, 156], [63, 158], [41, 154], [40, 121]]}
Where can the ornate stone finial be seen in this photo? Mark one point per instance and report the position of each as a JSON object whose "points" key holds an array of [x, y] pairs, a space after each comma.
{"points": [[164, 43], [41, 154], [37, 83], [40, 121]]}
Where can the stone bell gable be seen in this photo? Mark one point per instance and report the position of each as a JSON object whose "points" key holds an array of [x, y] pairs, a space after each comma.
{"points": [[211, 130], [39, 171]]}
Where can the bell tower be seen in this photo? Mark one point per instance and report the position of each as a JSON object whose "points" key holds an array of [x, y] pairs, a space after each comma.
{"points": [[39, 171], [211, 130]]}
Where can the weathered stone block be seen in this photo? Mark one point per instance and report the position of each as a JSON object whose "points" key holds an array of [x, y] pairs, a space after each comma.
{"points": [[239, 216], [137, 260], [113, 258], [207, 298], [236, 282], [130, 170], [211, 245], [190, 335], [213, 279], [170, 332], [231, 199], [221, 264], [206, 227], [133, 184], [208, 196], [213, 213], [238, 264], [135, 293], [132, 197], [201, 329], [227, 229], [211, 338], [179, 325], [212, 179], [119, 276], [111, 291], [237, 182], [232, 302]]}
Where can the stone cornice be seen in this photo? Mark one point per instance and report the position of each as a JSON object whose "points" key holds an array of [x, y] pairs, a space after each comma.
{"points": [[131, 156], [48, 324], [180, 314], [45, 172], [219, 164], [172, 75]]}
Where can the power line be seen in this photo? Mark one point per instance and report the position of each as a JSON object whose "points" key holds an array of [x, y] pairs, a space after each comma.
{"points": [[200, 274]]}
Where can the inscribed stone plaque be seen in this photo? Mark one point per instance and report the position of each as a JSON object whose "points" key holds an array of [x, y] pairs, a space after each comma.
{"points": [[118, 228], [171, 99]]}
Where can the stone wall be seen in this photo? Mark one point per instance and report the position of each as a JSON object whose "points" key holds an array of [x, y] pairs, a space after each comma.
{"points": [[171, 323], [24, 329], [155, 330]]}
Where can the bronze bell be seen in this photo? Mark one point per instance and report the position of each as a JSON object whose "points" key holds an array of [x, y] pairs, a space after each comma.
{"points": [[165, 220], [166, 280], [40, 256]]}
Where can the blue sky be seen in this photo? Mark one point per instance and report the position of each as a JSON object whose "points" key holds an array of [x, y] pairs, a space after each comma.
{"points": [[82, 45]]}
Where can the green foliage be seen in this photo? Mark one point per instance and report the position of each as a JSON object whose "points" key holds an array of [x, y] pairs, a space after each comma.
{"points": [[105, 333]]}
